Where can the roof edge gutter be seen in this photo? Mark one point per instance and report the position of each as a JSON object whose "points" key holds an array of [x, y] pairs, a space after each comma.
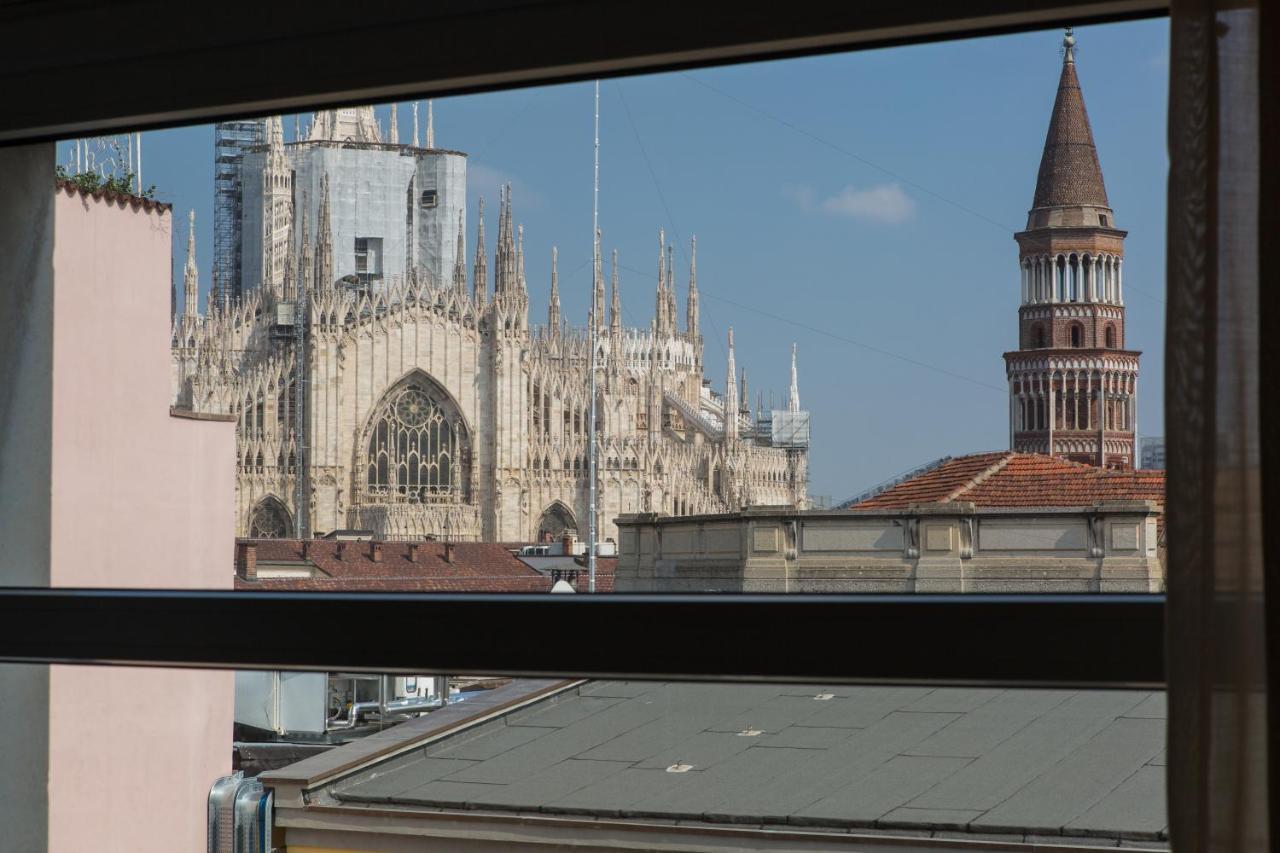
{"points": [[520, 828]]}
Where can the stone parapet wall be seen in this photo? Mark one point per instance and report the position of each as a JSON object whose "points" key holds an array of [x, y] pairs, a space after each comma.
{"points": [[946, 548]]}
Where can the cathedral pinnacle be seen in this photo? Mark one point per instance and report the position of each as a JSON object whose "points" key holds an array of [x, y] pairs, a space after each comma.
{"points": [[793, 397], [393, 128], [431, 127], [615, 303], [306, 263], [731, 395], [324, 239], [597, 286], [459, 261], [670, 291], [691, 307], [520, 282], [505, 258], [275, 132], [415, 124], [660, 318], [480, 270], [553, 310], [190, 278]]}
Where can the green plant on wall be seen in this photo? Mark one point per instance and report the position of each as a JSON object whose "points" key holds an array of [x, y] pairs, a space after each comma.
{"points": [[93, 182]]}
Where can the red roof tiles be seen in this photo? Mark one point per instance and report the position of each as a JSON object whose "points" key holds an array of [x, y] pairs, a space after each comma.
{"points": [[1007, 479], [350, 566], [121, 199]]}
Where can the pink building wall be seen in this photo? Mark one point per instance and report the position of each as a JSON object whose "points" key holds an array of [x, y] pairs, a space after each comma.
{"points": [[138, 499]]}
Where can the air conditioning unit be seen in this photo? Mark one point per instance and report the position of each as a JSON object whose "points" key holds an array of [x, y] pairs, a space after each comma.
{"points": [[239, 816]]}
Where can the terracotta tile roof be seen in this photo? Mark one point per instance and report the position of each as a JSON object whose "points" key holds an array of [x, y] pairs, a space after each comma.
{"points": [[1007, 479], [476, 567], [121, 199]]}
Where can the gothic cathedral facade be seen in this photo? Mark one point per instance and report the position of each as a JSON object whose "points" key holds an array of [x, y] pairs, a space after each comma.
{"points": [[403, 399]]}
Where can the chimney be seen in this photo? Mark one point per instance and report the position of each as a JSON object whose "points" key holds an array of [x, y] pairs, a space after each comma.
{"points": [[342, 552], [413, 552], [247, 560], [375, 552], [567, 542], [306, 549], [448, 552]]}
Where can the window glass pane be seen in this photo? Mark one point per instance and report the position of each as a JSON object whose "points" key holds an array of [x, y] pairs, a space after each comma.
{"points": [[879, 377]]}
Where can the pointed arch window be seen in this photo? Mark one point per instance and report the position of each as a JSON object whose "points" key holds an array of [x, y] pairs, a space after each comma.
{"points": [[270, 520], [417, 448]]}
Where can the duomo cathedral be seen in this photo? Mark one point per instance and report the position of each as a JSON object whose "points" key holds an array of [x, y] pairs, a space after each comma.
{"points": [[382, 382]]}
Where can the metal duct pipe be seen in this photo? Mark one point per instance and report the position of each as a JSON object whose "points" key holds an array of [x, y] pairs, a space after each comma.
{"points": [[354, 714], [411, 706]]}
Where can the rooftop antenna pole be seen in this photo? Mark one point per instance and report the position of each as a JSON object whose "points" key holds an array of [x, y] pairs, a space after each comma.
{"points": [[591, 437]]}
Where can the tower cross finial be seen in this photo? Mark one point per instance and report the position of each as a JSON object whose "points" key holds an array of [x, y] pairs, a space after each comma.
{"points": [[1068, 45]]}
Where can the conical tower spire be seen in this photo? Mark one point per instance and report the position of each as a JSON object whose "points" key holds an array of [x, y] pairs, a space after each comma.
{"points": [[793, 397], [1069, 186], [480, 270], [393, 128], [553, 309], [190, 276]]}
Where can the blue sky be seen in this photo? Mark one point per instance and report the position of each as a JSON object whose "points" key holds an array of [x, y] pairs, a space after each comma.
{"points": [[861, 205]]}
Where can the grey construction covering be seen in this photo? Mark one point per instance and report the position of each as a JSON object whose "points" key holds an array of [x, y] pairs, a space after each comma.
{"points": [[989, 763]]}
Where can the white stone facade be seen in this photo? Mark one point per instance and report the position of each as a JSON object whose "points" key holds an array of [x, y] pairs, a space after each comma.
{"points": [[431, 407]]}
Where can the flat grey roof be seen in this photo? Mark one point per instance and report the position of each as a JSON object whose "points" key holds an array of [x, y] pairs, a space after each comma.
{"points": [[986, 761]]}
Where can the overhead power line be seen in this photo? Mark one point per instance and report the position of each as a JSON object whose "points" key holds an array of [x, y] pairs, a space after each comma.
{"points": [[866, 162]]}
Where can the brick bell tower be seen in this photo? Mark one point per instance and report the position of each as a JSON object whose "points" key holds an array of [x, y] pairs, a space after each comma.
{"points": [[1072, 384]]}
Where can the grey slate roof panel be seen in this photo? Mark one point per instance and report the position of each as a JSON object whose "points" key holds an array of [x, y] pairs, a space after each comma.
{"points": [[1135, 809], [998, 774], [974, 761]]}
